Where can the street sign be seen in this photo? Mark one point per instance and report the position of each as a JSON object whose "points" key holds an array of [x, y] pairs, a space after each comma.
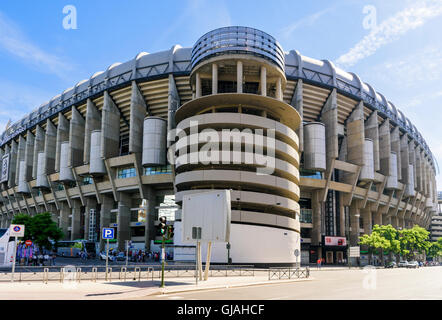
{"points": [[108, 233], [296, 252], [355, 252], [28, 242], [17, 230]]}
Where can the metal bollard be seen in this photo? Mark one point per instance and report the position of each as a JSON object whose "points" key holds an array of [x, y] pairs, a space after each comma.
{"points": [[110, 274], [121, 271], [61, 275], [78, 275], [139, 273], [94, 274], [45, 275]]}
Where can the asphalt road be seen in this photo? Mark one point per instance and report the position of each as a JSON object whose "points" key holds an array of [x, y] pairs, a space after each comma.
{"points": [[396, 284]]}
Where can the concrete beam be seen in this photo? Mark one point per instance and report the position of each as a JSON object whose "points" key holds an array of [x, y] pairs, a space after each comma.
{"points": [[173, 103], [138, 109], [329, 116], [298, 103], [110, 128], [396, 147], [76, 139], [93, 122], [39, 144], [50, 146], [20, 157], [372, 132], [62, 136], [384, 147]]}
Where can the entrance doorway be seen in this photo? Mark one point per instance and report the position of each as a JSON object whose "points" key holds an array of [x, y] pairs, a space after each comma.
{"points": [[339, 257], [329, 257]]}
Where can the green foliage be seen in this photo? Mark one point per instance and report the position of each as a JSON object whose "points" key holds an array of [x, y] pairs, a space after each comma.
{"points": [[413, 240], [39, 228], [435, 249], [405, 242]]}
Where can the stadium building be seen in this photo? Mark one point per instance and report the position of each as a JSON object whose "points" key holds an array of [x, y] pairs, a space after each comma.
{"points": [[316, 156]]}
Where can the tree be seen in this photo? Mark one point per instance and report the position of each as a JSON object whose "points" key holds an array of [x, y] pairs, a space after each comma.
{"points": [[435, 249], [374, 241], [392, 236], [413, 241], [39, 228]]}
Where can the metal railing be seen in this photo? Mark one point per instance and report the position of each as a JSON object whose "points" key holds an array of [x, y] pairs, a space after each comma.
{"points": [[288, 273], [123, 273]]}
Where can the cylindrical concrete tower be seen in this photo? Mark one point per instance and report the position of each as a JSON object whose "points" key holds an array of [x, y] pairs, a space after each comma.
{"points": [[240, 135]]}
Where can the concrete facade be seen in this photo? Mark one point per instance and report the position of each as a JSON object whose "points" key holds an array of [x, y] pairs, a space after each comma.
{"points": [[229, 90]]}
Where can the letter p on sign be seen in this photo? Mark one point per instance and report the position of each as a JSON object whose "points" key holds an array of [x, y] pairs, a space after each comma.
{"points": [[108, 233]]}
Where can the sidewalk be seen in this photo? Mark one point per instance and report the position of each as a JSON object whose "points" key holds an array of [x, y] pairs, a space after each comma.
{"points": [[126, 290]]}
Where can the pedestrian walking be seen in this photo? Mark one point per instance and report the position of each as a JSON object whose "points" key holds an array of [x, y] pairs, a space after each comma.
{"points": [[318, 263]]}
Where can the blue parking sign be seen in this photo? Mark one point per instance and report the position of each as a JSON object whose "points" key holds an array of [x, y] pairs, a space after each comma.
{"points": [[108, 233]]}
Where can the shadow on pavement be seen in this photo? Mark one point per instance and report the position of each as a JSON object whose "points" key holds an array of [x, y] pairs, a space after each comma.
{"points": [[149, 284]]}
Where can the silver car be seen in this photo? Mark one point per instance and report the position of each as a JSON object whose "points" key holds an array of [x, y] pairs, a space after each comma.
{"points": [[413, 264], [403, 264]]}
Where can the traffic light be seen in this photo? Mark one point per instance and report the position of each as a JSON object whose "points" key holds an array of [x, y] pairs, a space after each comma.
{"points": [[170, 232], [162, 226]]}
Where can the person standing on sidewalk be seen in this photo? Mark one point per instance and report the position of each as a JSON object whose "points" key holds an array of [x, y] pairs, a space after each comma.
{"points": [[318, 263]]}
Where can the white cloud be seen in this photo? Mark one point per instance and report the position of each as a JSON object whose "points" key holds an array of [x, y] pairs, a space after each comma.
{"points": [[420, 67], [13, 41], [391, 29], [17, 100], [307, 21]]}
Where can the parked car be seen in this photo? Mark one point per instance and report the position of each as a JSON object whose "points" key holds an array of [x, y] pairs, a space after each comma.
{"points": [[413, 264], [121, 257], [391, 264], [103, 257], [403, 264]]}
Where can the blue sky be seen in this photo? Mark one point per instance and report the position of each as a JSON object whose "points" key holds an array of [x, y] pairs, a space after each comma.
{"points": [[400, 57]]}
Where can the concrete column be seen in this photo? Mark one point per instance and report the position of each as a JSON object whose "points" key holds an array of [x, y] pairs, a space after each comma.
{"points": [[316, 219], [239, 76], [198, 86], [110, 128], [366, 219], [50, 147], [65, 211], [76, 231], [404, 159], [341, 215], [377, 217], [137, 113], [39, 144], [396, 147], [354, 223], [297, 103], [149, 230], [106, 206], [76, 139], [264, 84], [173, 103], [355, 138], [123, 219], [29, 154], [12, 164], [20, 156], [394, 221], [386, 219], [384, 147], [279, 88], [93, 122], [418, 185], [329, 117], [62, 136], [372, 132], [214, 78]]}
